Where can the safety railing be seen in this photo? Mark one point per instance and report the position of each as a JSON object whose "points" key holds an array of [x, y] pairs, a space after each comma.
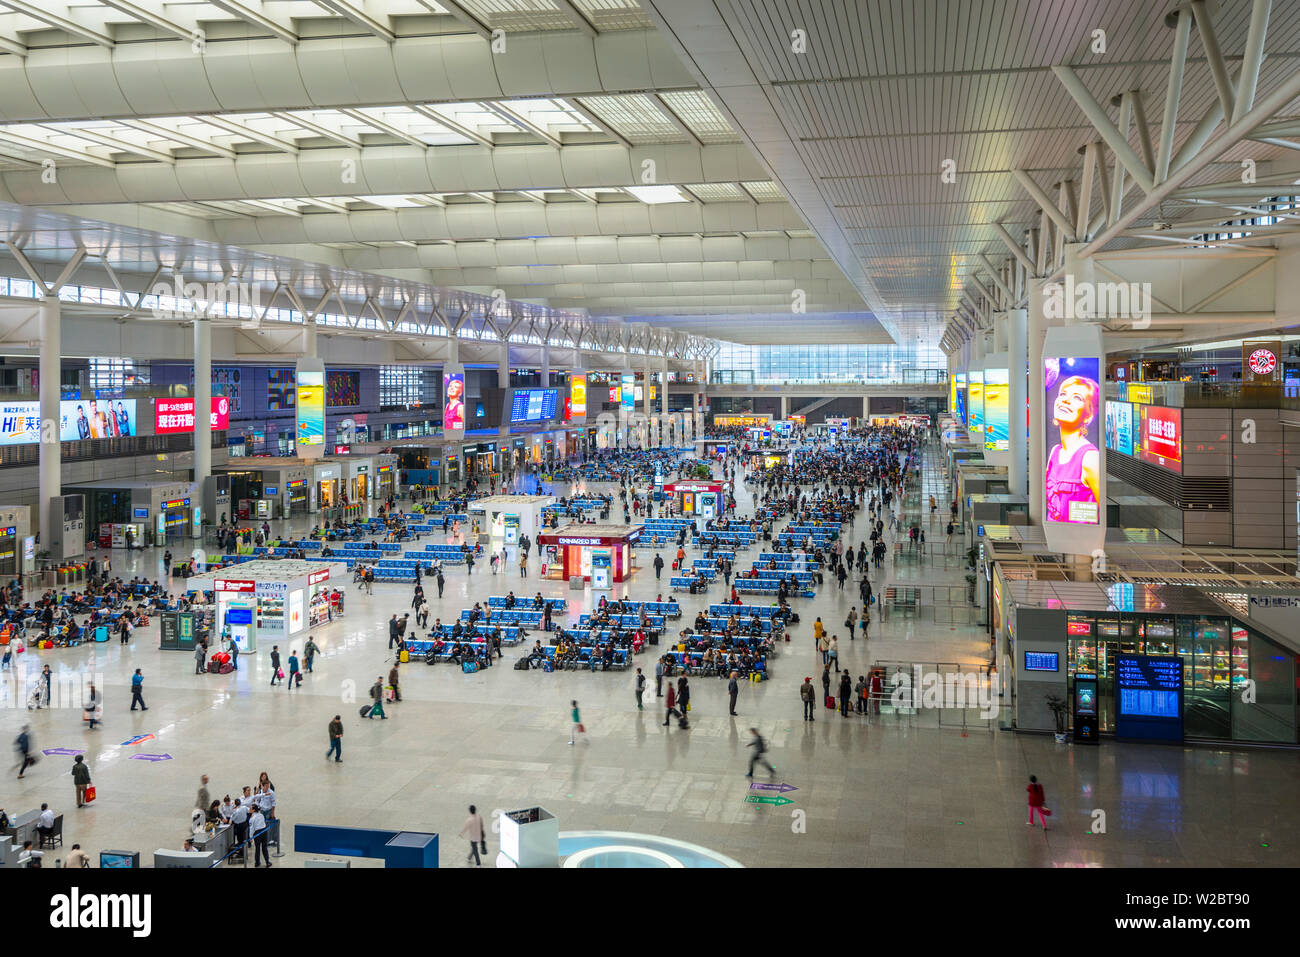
{"points": [[949, 695]]}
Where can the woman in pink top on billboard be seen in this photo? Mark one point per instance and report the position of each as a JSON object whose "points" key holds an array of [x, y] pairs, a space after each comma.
{"points": [[1072, 481], [454, 414]]}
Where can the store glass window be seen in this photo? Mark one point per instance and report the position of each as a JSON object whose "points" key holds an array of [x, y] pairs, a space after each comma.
{"points": [[1207, 692], [1271, 716]]}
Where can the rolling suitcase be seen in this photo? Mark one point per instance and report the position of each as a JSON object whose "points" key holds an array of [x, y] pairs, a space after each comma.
{"points": [[365, 710], [214, 667], [405, 656], [830, 703]]}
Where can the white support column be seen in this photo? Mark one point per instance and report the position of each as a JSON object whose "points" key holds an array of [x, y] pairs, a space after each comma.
{"points": [[785, 407], [203, 404], [505, 451], [546, 365], [1017, 364], [49, 479], [1036, 330]]}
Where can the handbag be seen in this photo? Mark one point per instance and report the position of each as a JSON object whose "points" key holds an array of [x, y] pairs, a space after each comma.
{"points": [[89, 795], [582, 728]]}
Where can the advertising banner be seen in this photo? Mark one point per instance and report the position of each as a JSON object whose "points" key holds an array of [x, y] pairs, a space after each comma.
{"points": [[577, 396], [1119, 427], [1074, 466], [975, 405], [1161, 441], [20, 422], [628, 390], [960, 407], [1072, 479], [177, 415], [311, 409], [997, 412], [453, 408]]}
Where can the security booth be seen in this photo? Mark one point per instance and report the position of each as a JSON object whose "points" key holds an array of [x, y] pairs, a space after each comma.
{"points": [[384, 484], [272, 488], [327, 480], [507, 518], [702, 499], [17, 544], [269, 601], [358, 476], [568, 551], [153, 513]]}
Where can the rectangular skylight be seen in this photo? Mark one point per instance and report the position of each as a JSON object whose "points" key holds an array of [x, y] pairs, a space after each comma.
{"points": [[654, 195]]}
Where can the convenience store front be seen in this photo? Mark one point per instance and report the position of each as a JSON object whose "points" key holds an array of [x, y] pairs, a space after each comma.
{"points": [[1239, 679]]}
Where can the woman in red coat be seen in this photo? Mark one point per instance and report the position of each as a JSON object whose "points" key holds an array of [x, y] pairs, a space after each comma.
{"points": [[1036, 800]]}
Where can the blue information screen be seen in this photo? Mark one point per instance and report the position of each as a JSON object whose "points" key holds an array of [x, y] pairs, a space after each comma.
{"points": [[533, 405], [1042, 661], [1149, 697]]}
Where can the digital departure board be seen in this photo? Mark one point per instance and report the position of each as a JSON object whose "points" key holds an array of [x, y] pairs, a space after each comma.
{"points": [[1149, 697], [533, 405]]}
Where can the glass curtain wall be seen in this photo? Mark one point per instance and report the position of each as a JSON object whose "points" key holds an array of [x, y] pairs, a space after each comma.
{"points": [[915, 361]]}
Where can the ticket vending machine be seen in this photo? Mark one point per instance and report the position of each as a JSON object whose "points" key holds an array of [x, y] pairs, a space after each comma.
{"points": [[602, 569], [511, 523], [1085, 708]]}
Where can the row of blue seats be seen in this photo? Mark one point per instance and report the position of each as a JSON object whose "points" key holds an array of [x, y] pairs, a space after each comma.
{"points": [[557, 604], [669, 609], [682, 582], [621, 657], [725, 609], [509, 633], [761, 586], [788, 565], [515, 616], [769, 574], [627, 621], [693, 663], [719, 623], [811, 527], [366, 546], [778, 557], [420, 648]]}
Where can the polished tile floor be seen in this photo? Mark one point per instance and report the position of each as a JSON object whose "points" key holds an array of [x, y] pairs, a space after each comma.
{"points": [[870, 791]]}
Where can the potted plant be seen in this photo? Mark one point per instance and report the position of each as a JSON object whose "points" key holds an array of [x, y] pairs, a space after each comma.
{"points": [[1060, 708]]}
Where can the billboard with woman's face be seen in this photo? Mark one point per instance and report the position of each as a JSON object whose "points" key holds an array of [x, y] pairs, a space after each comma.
{"points": [[453, 410], [1072, 478]]}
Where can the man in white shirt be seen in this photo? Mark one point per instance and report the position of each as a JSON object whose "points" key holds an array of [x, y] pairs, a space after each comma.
{"points": [[45, 823], [257, 829], [239, 818], [266, 802]]}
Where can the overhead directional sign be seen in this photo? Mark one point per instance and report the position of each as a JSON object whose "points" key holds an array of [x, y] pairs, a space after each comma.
{"points": [[151, 757], [64, 751], [781, 788], [776, 799]]}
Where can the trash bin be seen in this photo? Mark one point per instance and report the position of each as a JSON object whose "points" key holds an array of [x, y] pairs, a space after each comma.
{"points": [[576, 583]]}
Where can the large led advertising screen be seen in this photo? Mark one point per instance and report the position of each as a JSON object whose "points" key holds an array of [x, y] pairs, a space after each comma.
{"points": [[1072, 479], [311, 407], [1161, 437], [177, 415], [975, 404], [577, 396], [20, 422], [960, 407], [997, 412], [1119, 426], [628, 390], [453, 410]]}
